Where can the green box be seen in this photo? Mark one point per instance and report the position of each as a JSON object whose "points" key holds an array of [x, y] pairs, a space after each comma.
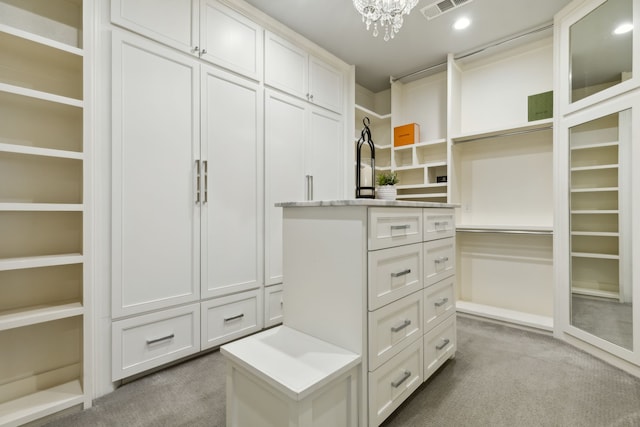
{"points": [[541, 106]]}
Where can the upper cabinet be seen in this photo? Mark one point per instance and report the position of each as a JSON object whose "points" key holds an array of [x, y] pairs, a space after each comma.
{"points": [[204, 28], [291, 69], [595, 52]]}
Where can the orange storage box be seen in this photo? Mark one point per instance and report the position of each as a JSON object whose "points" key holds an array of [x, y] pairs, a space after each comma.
{"points": [[406, 134]]}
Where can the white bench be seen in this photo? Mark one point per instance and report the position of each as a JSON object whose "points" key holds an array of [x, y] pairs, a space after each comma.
{"points": [[284, 378]]}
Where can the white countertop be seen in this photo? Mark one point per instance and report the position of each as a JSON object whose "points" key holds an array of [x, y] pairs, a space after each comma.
{"points": [[297, 364], [365, 202]]}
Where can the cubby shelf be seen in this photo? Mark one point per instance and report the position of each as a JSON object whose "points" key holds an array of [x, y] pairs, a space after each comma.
{"points": [[41, 207], [39, 314], [36, 94], [527, 127], [36, 151], [40, 40], [40, 261]]}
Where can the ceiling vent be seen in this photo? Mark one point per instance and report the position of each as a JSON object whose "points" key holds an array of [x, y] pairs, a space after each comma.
{"points": [[438, 8]]}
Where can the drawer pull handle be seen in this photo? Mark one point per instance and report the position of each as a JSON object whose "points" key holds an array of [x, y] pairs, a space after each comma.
{"points": [[400, 227], [442, 302], [441, 259], [229, 319], [156, 340], [401, 273], [443, 345], [396, 384], [438, 224], [401, 326]]}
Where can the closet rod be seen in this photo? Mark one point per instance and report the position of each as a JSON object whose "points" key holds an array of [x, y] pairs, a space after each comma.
{"points": [[502, 231], [511, 38], [502, 134]]}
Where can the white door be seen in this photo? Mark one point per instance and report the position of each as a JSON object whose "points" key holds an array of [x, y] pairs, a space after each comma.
{"points": [[172, 22], [325, 154], [155, 247], [325, 85], [230, 40], [232, 174], [286, 66], [285, 180]]}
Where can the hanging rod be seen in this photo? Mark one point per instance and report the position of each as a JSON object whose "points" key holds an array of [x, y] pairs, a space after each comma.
{"points": [[481, 49], [461, 140], [503, 231]]}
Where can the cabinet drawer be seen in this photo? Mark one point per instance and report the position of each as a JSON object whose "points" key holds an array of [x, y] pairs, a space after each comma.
{"points": [[394, 273], [230, 317], [394, 227], [144, 342], [393, 327], [439, 260], [439, 345], [438, 223], [393, 382], [273, 305], [439, 302]]}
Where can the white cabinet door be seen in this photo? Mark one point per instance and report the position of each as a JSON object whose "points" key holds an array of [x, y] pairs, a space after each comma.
{"points": [[172, 22], [285, 119], [286, 66], [325, 85], [232, 171], [155, 222], [325, 154], [230, 40]]}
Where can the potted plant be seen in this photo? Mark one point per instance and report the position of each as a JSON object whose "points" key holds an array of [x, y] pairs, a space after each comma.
{"points": [[386, 186]]}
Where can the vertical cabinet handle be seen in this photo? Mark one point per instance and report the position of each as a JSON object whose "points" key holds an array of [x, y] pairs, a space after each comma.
{"points": [[197, 182], [309, 183], [206, 181]]}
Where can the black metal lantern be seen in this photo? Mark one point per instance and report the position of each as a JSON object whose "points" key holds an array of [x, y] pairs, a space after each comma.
{"points": [[365, 163]]}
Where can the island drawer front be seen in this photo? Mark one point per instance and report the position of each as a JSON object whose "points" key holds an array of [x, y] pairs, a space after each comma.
{"points": [[394, 273], [394, 327], [230, 317], [394, 381], [439, 302], [147, 341], [439, 345], [439, 260], [438, 223], [390, 227]]}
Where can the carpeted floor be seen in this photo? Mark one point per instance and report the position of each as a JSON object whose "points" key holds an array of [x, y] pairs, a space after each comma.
{"points": [[500, 377]]}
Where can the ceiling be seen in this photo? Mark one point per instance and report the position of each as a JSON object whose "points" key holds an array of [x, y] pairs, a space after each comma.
{"points": [[336, 26]]}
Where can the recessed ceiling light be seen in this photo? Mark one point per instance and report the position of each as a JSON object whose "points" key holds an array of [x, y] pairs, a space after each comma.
{"points": [[623, 28], [462, 23]]}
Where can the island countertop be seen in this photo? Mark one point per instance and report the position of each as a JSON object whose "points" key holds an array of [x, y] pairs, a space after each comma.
{"points": [[365, 202]]}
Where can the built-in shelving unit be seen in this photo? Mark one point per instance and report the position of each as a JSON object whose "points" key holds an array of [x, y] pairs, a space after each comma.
{"points": [[43, 301], [380, 126], [501, 169]]}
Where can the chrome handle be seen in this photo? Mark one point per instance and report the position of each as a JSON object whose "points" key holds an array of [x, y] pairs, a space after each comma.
{"points": [[438, 224], [400, 227], [195, 49], [400, 327], [229, 319], [307, 179], [197, 182], [401, 273], [281, 302], [311, 97], [443, 345], [203, 52], [308, 97], [206, 181], [155, 340], [311, 184], [442, 302], [396, 384], [441, 259]]}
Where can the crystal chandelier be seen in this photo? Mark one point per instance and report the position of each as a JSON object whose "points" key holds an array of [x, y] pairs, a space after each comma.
{"points": [[389, 14]]}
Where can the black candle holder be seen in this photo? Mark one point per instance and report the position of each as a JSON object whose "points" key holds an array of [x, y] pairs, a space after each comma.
{"points": [[365, 178]]}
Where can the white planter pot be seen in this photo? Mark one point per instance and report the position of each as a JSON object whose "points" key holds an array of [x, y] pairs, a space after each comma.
{"points": [[386, 192]]}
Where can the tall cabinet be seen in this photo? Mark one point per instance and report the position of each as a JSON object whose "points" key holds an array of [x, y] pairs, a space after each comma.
{"points": [[597, 159], [45, 298]]}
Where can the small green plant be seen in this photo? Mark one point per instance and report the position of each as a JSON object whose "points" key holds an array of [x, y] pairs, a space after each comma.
{"points": [[387, 178]]}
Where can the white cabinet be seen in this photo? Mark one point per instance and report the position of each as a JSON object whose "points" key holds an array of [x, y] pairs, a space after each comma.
{"points": [[204, 28], [45, 268], [304, 161], [156, 227], [187, 196], [293, 70], [356, 275]]}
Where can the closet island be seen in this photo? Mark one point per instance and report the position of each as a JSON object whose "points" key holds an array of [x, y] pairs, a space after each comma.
{"points": [[375, 278]]}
